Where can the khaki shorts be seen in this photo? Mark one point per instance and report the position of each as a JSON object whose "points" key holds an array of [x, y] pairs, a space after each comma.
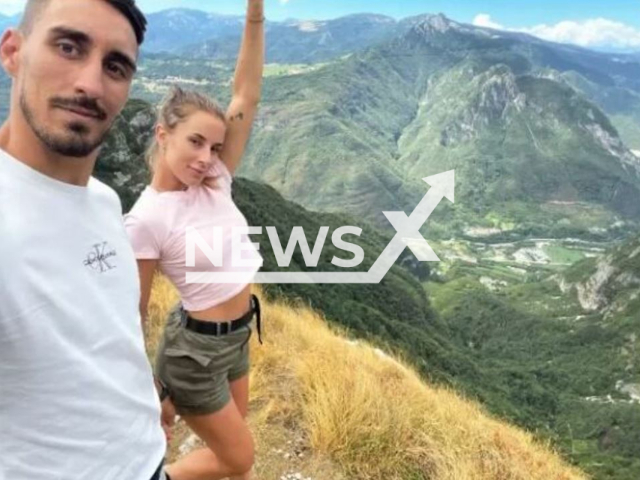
{"points": [[197, 368]]}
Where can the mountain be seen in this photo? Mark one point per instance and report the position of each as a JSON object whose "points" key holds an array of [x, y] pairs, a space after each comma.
{"points": [[621, 104], [294, 41], [360, 133], [515, 138], [564, 344], [169, 30], [203, 35], [196, 34], [121, 162], [603, 67], [608, 285], [609, 80]]}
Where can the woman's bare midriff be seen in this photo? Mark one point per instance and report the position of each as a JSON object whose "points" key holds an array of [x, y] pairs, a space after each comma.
{"points": [[229, 310]]}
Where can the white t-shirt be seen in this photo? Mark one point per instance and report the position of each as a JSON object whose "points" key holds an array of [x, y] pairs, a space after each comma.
{"points": [[77, 399]]}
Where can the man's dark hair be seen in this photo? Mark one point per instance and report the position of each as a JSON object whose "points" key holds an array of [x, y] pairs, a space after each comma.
{"points": [[128, 8]]}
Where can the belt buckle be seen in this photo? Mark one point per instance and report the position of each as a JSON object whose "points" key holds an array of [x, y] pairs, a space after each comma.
{"points": [[226, 331]]}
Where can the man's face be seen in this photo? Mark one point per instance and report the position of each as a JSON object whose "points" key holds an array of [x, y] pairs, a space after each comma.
{"points": [[74, 74]]}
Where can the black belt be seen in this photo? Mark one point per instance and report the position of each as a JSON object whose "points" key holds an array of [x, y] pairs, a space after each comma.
{"points": [[223, 328]]}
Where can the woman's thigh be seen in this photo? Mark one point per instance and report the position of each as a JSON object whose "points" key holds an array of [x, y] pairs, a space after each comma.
{"points": [[240, 393]]}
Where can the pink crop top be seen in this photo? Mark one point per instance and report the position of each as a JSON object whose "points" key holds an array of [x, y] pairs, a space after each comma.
{"points": [[157, 227]]}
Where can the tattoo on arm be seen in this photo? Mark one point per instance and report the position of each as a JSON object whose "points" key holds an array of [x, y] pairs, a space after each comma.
{"points": [[239, 116]]}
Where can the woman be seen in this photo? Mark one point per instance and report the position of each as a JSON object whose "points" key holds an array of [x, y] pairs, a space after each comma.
{"points": [[203, 356]]}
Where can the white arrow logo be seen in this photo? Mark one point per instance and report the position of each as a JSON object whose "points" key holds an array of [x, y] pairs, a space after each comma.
{"points": [[407, 235]]}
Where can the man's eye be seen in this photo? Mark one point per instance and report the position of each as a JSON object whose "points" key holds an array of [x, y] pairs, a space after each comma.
{"points": [[116, 69], [68, 49]]}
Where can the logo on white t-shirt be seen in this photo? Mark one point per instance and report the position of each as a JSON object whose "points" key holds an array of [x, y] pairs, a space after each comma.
{"points": [[101, 258]]}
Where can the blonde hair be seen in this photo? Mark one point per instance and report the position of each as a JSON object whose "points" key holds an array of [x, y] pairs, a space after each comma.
{"points": [[176, 107]]}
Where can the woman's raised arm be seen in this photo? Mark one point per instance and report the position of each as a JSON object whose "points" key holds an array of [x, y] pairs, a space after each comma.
{"points": [[247, 84]]}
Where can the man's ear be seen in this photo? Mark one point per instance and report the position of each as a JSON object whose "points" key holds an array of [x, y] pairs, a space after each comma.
{"points": [[10, 44]]}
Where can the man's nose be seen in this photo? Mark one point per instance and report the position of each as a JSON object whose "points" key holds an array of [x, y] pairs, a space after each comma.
{"points": [[90, 80]]}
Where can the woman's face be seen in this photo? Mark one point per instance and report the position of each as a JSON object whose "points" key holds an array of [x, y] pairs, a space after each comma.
{"points": [[192, 147]]}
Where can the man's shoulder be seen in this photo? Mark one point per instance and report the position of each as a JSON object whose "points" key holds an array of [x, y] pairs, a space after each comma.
{"points": [[105, 193]]}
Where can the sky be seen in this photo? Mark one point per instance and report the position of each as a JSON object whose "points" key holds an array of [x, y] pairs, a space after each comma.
{"points": [[611, 24]]}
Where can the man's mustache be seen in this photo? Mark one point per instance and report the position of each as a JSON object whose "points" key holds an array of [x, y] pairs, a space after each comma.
{"points": [[83, 103]]}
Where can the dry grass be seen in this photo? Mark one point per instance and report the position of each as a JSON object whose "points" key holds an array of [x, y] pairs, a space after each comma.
{"points": [[331, 409]]}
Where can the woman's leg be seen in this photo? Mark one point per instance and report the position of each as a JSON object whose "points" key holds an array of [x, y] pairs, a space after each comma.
{"points": [[225, 433], [240, 393]]}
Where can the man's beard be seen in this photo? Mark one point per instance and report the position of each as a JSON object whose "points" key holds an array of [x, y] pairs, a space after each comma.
{"points": [[75, 143]]}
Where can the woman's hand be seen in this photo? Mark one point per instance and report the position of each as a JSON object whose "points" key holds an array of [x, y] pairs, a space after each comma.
{"points": [[168, 412], [167, 417]]}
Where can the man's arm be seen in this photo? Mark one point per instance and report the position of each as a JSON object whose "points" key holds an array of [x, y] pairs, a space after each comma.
{"points": [[146, 271]]}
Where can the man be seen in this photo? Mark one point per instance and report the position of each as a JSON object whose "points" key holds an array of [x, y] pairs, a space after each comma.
{"points": [[77, 399]]}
